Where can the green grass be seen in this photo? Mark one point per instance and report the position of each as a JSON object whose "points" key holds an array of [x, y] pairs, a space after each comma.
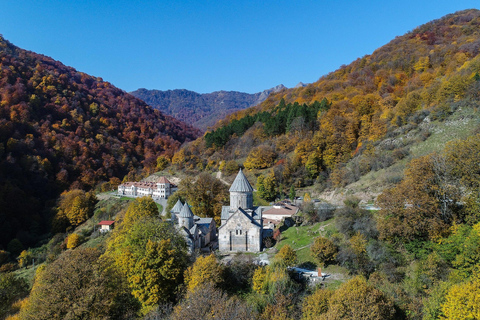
{"points": [[462, 124], [28, 274], [97, 242], [301, 238], [160, 207]]}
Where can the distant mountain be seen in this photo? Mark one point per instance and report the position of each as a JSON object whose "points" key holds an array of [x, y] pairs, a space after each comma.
{"points": [[201, 110], [61, 129]]}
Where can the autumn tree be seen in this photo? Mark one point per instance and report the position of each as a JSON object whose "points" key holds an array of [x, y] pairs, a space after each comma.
{"points": [[272, 279], [324, 250], [75, 286], [462, 158], [205, 194], [461, 249], [260, 157], [314, 164], [286, 256], [140, 208], [418, 208], [76, 206], [307, 198], [73, 241], [316, 304], [231, 167], [162, 163], [152, 257], [356, 299], [154, 277], [211, 303], [266, 186], [24, 258], [462, 301], [258, 280], [204, 270]]}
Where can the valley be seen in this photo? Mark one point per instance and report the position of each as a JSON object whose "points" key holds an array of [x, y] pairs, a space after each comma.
{"points": [[368, 177]]}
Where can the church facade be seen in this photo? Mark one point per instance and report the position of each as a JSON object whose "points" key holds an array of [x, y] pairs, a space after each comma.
{"points": [[241, 222]]}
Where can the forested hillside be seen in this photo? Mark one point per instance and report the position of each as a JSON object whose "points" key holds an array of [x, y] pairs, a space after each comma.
{"points": [[62, 129], [201, 110], [425, 75]]}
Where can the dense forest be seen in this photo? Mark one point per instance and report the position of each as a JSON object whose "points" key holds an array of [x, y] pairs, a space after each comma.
{"points": [[201, 110], [62, 129]]}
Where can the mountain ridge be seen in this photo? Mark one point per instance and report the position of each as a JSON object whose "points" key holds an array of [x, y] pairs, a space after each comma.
{"points": [[201, 110]]}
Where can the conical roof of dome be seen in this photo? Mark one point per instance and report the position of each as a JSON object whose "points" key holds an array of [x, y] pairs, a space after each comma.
{"points": [[186, 212], [177, 207], [241, 183]]}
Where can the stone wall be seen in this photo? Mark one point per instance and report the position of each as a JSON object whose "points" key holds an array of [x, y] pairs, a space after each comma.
{"points": [[240, 234]]}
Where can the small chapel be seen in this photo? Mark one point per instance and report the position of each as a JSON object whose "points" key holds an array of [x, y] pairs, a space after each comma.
{"points": [[199, 233], [241, 222]]}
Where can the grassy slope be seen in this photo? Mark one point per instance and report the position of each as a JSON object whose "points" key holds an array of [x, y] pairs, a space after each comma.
{"points": [[460, 125]]}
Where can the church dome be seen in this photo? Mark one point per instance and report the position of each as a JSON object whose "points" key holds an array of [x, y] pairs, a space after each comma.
{"points": [[178, 207], [186, 212], [241, 184]]}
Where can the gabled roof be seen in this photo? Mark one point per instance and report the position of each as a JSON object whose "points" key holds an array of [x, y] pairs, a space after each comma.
{"points": [[177, 207], [106, 223], [186, 212], [284, 210], [241, 184], [225, 212], [193, 230], [252, 215], [163, 180]]}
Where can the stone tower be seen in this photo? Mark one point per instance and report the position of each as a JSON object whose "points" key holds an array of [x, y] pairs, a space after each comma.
{"points": [[185, 218], [176, 210], [241, 193]]}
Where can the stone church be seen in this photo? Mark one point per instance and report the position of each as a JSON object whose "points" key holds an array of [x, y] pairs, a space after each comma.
{"points": [[199, 233], [241, 228]]}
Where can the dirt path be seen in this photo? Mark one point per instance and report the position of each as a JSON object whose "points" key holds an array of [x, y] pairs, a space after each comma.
{"points": [[219, 177]]}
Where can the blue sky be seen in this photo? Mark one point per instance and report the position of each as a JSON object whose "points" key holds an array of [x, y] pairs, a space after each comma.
{"points": [[207, 45]]}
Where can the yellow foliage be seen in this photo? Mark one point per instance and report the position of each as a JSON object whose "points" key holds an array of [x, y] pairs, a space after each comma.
{"points": [[17, 306], [204, 270], [141, 207], [259, 280], [73, 241], [356, 299], [463, 301], [303, 150], [260, 157], [307, 198], [287, 256], [358, 243], [316, 304]]}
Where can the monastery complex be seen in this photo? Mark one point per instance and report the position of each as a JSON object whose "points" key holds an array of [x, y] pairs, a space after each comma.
{"points": [[243, 225]]}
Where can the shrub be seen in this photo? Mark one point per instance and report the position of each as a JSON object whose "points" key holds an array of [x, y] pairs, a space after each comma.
{"points": [[74, 240]]}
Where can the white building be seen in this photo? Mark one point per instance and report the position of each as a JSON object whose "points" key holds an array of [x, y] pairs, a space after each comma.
{"points": [[106, 225], [162, 189]]}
